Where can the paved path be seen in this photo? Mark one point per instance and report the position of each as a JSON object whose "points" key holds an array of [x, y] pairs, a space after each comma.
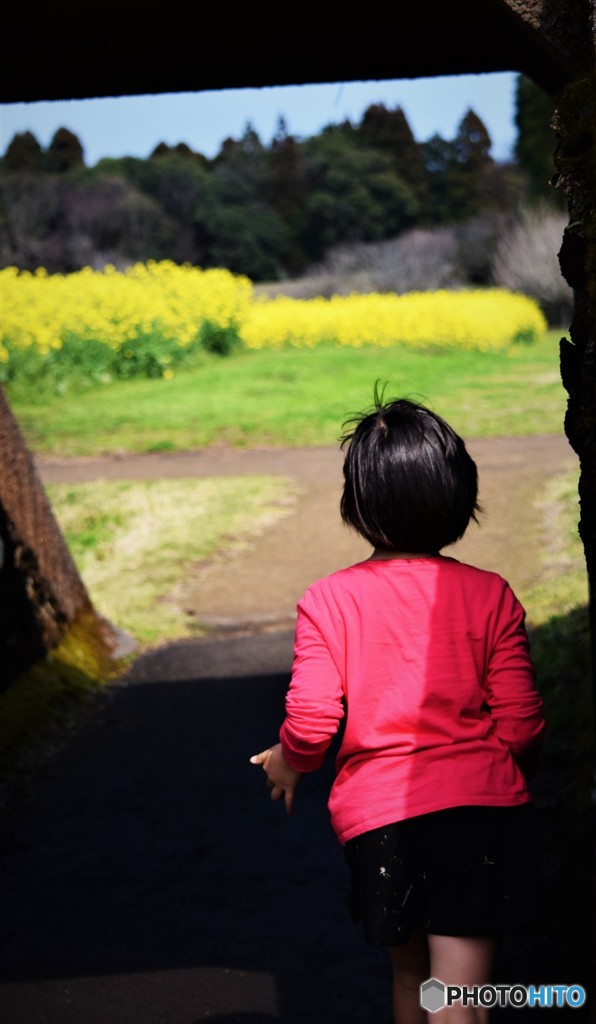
{"points": [[148, 878]]}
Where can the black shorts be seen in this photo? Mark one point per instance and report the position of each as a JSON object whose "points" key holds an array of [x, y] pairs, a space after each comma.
{"points": [[462, 871]]}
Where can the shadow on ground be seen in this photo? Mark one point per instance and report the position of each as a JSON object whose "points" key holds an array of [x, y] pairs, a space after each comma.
{"points": [[150, 879]]}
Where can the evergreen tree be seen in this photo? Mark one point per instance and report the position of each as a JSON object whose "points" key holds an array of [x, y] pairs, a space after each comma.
{"points": [[536, 141], [354, 194], [472, 146], [162, 149], [236, 220], [390, 131], [289, 189], [269, 212], [241, 170], [183, 149], [447, 197], [243, 153], [23, 153], [473, 143], [175, 183], [246, 240], [65, 152]]}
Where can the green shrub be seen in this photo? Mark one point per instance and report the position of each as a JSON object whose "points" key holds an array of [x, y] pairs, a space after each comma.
{"points": [[218, 339]]}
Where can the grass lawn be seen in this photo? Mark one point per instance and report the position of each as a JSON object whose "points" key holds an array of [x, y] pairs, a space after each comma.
{"points": [[148, 532], [299, 397]]}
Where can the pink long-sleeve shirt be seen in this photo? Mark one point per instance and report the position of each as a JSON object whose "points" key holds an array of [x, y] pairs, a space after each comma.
{"points": [[428, 661]]}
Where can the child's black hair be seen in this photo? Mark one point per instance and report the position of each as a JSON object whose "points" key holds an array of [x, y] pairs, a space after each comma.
{"points": [[409, 483]]}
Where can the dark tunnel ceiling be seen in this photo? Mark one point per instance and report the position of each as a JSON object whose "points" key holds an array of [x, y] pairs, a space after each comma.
{"points": [[73, 50]]}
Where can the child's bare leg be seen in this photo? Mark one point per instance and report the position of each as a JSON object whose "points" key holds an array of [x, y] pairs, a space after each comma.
{"points": [[462, 961], [410, 966]]}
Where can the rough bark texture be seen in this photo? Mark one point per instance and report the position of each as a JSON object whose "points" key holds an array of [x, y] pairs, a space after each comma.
{"points": [[41, 592], [575, 160], [560, 24]]}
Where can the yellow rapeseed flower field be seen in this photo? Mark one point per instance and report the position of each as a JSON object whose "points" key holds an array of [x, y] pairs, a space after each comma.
{"points": [[165, 300], [114, 307], [485, 320]]}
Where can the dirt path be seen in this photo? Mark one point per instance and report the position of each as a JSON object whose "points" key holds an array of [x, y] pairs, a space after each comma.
{"points": [[258, 587]]}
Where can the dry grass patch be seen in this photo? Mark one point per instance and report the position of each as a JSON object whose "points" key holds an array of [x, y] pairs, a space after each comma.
{"points": [[134, 542]]}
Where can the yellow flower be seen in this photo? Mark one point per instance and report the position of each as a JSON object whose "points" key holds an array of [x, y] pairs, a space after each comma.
{"points": [[163, 300]]}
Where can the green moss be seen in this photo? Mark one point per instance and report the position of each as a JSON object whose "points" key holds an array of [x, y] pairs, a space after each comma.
{"points": [[48, 700]]}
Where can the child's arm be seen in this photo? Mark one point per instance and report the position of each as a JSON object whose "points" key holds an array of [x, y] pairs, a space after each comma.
{"points": [[314, 709], [315, 698], [281, 779], [515, 703]]}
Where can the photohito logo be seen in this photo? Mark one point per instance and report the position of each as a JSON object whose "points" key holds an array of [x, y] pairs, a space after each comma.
{"points": [[434, 995]]}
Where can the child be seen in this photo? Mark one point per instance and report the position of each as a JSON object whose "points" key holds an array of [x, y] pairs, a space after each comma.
{"points": [[425, 661]]}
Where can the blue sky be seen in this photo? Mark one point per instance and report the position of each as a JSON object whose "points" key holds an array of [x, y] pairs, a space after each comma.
{"points": [[133, 126]]}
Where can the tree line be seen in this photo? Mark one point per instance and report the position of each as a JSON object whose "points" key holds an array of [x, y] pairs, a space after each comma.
{"points": [[267, 211]]}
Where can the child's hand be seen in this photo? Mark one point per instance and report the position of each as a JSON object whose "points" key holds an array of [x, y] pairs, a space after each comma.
{"points": [[281, 779]]}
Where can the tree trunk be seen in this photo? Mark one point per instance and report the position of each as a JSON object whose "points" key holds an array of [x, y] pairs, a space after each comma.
{"points": [[575, 162], [41, 592]]}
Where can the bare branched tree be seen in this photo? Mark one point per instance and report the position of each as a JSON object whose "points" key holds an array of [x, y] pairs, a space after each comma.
{"points": [[526, 260], [418, 260]]}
